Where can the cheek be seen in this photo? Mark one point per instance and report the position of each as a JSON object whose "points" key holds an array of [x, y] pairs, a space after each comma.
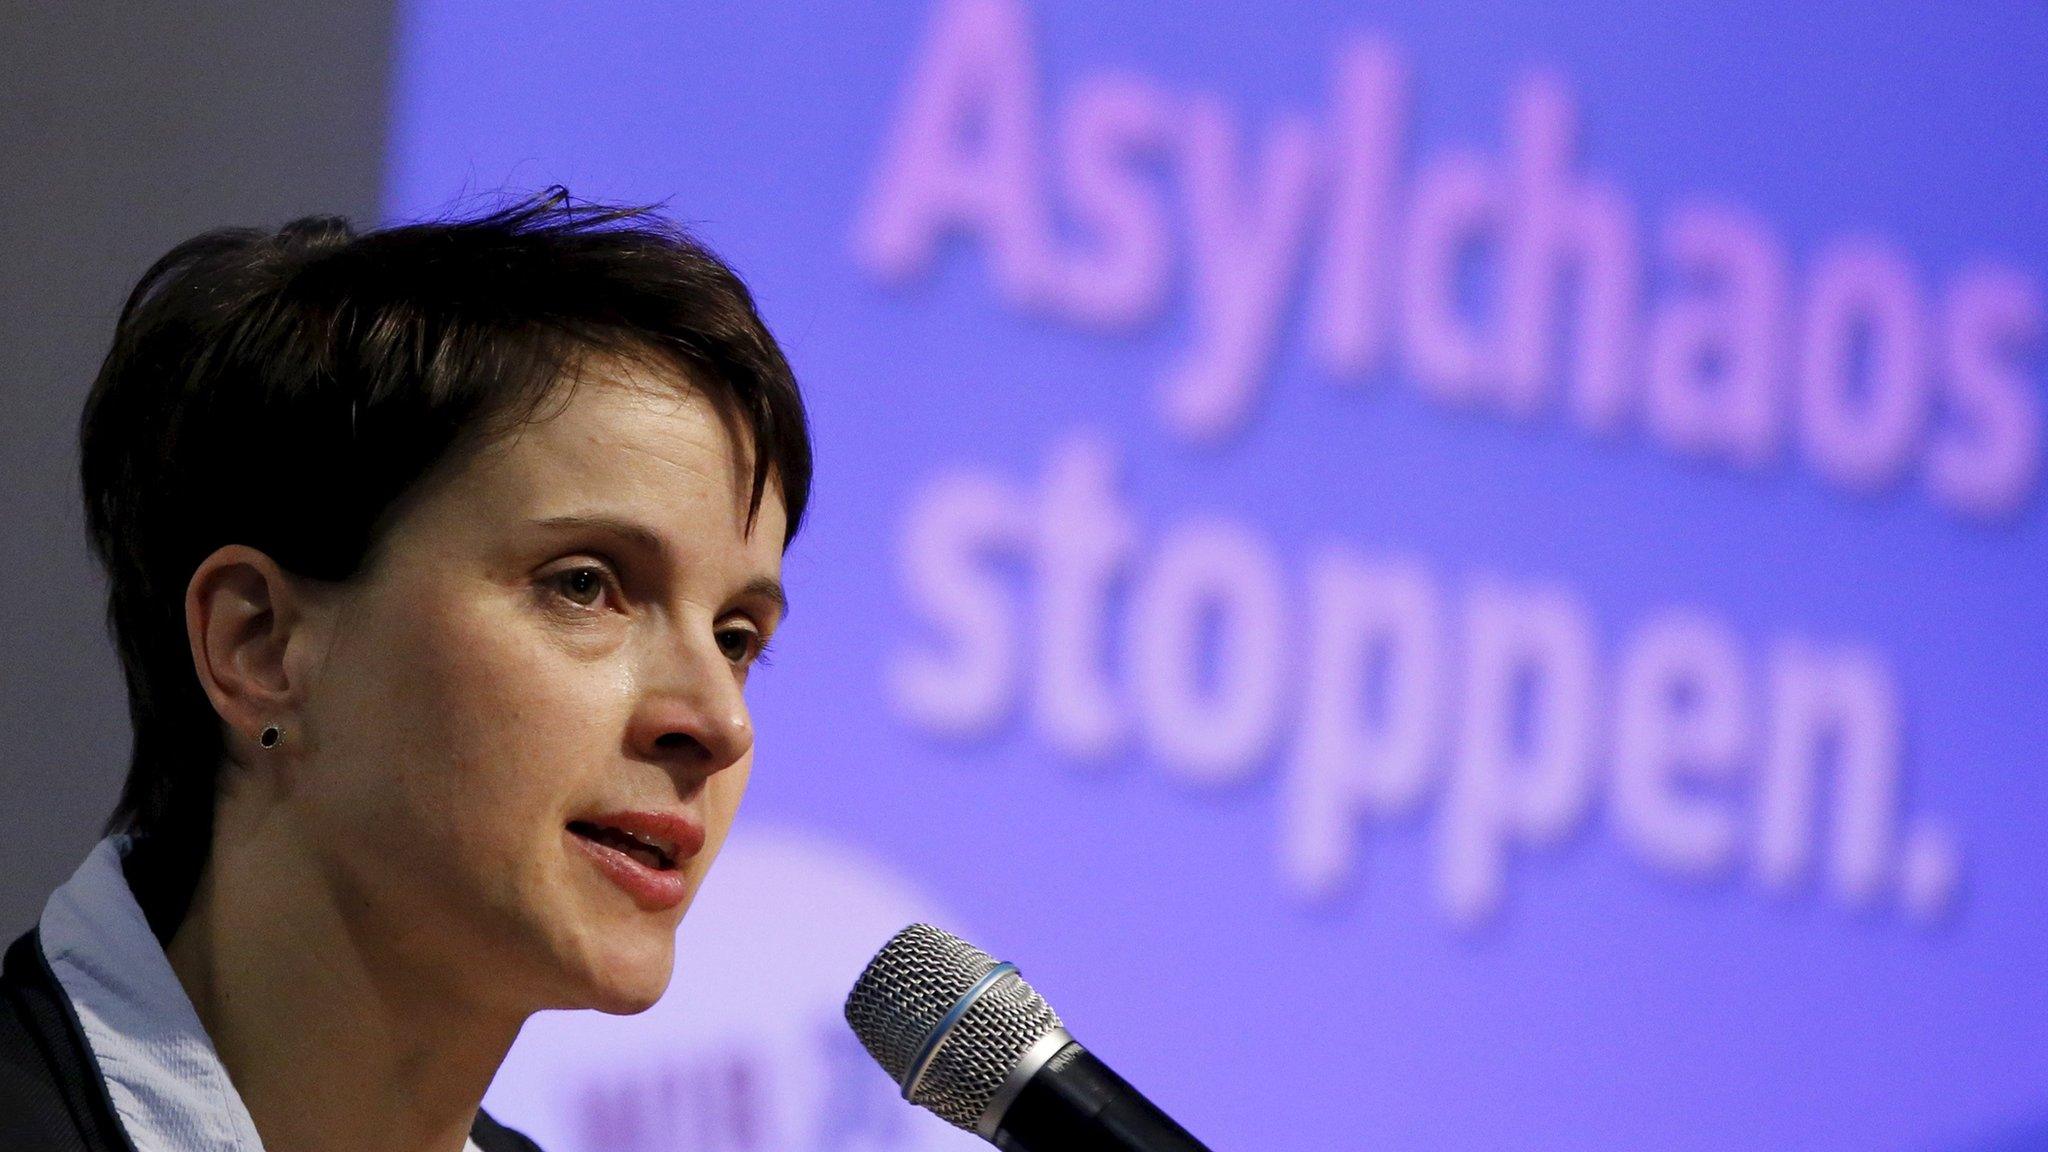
{"points": [[722, 795], [465, 724]]}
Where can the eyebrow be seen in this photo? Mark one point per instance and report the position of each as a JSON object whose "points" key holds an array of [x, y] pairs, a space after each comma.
{"points": [[769, 589], [642, 537]]}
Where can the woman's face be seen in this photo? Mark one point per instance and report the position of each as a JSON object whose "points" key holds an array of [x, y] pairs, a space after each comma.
{"points": [[526, 738]]}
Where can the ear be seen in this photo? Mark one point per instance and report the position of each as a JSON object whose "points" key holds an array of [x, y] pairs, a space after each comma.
{"points": [[241, 611]]}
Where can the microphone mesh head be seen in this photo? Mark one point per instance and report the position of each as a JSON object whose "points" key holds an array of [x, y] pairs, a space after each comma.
{"points": [[908, 988]]}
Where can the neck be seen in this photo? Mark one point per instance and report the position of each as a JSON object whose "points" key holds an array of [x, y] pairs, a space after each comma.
{"points": [[333, 1041]]}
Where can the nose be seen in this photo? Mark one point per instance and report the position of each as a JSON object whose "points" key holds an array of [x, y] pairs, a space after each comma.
{"points": [[690, 714]]}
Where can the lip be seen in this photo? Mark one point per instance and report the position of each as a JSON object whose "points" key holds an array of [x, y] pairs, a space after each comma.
{"points": [[652, 889]]}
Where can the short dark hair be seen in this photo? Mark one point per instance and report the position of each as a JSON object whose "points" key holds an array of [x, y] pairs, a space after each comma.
{"points": [[339, 367]]}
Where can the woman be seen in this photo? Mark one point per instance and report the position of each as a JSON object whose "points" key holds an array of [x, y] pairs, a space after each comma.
{"points": [[438, 559]]}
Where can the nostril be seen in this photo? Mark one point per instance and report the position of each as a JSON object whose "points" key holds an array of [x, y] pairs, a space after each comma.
{"points": [[670, 741]]}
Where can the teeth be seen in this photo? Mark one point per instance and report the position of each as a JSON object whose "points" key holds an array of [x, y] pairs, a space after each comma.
{"points": [[659, 845], [659, 853]]}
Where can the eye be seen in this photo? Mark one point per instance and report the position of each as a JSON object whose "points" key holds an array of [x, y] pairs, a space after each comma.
{"points": [[583, 586], [741, 643]]}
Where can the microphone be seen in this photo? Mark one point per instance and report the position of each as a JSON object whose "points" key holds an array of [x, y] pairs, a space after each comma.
{"points": [[964, 1036]]}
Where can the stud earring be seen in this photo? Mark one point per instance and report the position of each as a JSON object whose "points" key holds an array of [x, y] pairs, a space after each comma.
{"points": [[270, 736]]}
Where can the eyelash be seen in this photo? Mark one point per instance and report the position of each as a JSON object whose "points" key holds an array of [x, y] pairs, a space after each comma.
{"points": [[609, 585], [757, 648]]}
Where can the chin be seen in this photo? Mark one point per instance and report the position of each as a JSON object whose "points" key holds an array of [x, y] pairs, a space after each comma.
{"points": [[622, 979]]}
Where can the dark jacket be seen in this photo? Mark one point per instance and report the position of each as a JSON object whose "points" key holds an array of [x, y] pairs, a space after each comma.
{"points": [[51, 1096]]}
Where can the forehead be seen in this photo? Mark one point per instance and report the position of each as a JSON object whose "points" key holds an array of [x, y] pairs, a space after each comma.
{"points": [[624, 439]]}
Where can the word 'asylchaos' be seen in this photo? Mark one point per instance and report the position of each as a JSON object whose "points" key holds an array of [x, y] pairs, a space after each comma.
{"points": [[1697, 329]]}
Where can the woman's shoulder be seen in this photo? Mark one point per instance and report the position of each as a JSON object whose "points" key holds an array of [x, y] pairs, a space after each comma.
{"points": [[51, 1098]]}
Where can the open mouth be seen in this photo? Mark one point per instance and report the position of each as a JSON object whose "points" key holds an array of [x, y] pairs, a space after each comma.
{"points": [[647, 850]]}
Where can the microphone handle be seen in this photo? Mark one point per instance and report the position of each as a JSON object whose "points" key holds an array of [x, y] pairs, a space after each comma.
{"points": [[1076, 1104]]}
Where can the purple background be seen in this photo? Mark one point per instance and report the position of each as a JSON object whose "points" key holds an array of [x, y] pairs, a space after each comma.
{"points": [[1609, 1005]]}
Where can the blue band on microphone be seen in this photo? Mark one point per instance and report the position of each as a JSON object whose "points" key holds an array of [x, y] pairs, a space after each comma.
{"points": [[938, 1034]]}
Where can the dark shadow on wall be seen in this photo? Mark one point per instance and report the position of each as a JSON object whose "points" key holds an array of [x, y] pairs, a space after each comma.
{"points": [[125, 128]]}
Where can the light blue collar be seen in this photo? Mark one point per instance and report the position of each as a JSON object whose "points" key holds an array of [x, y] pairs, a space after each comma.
{"points": [[168, 1087], [167, 1084]]}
